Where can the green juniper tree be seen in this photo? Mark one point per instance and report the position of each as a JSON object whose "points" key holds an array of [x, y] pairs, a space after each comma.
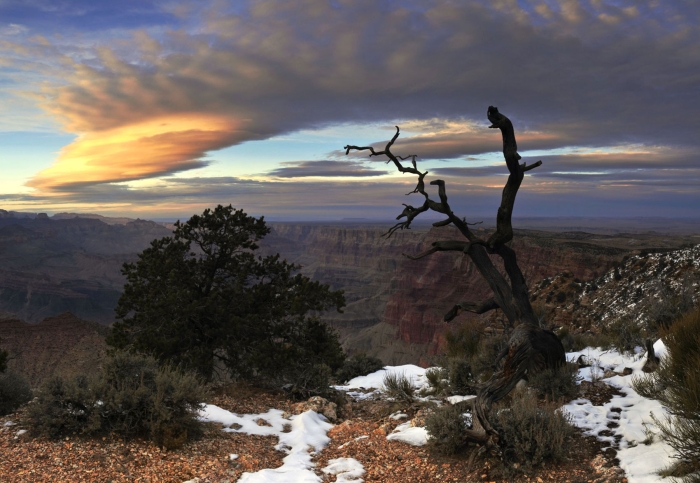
{"points": [[203, 299]]}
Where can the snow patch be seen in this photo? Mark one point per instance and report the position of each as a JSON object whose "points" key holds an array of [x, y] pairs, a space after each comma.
{"points": [[641, 451], [413, 435], [459, 399], [347, 470], [308, 435], [369, 386], [398, 415]]}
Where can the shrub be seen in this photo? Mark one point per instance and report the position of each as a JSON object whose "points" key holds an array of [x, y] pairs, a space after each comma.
{"points": [[64, 406], [624, 334], [463, 341], [358, 365], [668, 305], [676, 384], [460, 377], [556, 383], [132, 396], [489, 349], [398, 386], [531, 435], [312, 380], [14, 391], [438, 378], [446, 426], [581, 341]]}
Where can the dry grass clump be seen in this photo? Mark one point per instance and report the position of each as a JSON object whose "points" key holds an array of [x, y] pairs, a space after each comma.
{"points": [[398, 387]]}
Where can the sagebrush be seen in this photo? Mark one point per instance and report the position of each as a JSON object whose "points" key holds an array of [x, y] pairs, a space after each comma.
{"points": [[531, 434], [446, 426], [556, 383], [676, 384], [131, 396]]}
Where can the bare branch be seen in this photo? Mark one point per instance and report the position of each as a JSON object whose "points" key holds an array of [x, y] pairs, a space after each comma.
{"points": [[413, 159], [474, 307], [532, 166], [420, 187], [441, 246], [442, 223], [530, 347]]}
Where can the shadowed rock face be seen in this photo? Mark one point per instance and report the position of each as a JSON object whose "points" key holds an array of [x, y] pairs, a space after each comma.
{"points": [[52, 266], [640, 285], [395, 306], [61, 345]]}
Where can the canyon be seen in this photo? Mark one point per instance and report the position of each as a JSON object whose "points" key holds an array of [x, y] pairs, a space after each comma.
{"points": [[395, 306]]}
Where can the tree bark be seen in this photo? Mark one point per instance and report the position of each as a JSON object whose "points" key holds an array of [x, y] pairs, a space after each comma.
{"points": [[530, 347]]}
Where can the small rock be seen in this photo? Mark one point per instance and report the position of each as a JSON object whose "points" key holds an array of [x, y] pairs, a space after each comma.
{"points": [[627, 371], [609, 373], [319, 405], [419, 419]]}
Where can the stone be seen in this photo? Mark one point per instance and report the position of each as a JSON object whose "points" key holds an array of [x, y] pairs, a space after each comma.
{"points": [[320, 405]]}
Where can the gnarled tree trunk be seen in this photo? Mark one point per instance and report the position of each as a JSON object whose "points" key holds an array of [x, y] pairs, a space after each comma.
{"points": [[530, 347]]}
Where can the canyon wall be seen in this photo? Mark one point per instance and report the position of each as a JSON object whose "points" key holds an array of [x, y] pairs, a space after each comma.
{"points": [[395, 306], [52, 266]]}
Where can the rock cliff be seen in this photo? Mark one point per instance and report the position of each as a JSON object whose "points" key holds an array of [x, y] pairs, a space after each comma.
{"points": [[68, 264], [60, 345], [396, 305]]}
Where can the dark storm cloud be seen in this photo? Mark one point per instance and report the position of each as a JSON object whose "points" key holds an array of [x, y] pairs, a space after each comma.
{"points": [[330, 169]]}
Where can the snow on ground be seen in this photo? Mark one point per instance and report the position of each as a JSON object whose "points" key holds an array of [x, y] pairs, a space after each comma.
{"points": [[414, 435], [347, 470], [361, 387], [459, 399], [641, 451], [308, 434], [639, 447]]}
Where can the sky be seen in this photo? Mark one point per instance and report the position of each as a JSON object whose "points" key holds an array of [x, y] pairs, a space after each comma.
{"points": [[160, 109]]}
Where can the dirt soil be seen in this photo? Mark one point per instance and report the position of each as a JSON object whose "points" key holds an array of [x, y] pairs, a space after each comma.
{"points": [[360, 433]]}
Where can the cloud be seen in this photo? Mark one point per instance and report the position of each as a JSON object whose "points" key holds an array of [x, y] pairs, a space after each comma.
{"points": [[324, 169], [573, 74], [144, 150], [13, 29]]}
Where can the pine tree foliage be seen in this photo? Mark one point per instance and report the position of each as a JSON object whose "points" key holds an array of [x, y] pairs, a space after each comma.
{"points": [[203, 299]]}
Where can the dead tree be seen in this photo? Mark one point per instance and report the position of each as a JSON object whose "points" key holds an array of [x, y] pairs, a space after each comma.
{"points": [[530, 347]]}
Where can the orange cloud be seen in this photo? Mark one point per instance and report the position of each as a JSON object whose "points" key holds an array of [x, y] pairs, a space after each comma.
{"points": [[142, 150]]}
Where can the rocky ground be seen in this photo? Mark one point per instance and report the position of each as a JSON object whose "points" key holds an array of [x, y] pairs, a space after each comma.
{"points": [[359, 432]]}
